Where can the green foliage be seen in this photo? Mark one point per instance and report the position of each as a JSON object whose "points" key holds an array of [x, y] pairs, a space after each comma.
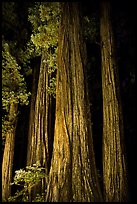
{"points": [[27, 179], [52, 87], [15, 61], [13, 83], [45, 18], [7, 126], [39, 198], [16, 33], [90, 28], [13, 86], [31, 176]]}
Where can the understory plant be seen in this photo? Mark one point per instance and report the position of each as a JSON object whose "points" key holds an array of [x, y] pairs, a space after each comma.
{"points": [[26, 179]]}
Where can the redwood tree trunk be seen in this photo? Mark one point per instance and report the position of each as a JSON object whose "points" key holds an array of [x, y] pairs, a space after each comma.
{"points": [[114, 164], [73, 175], [38, 137], [8, 154], [32, 112]]}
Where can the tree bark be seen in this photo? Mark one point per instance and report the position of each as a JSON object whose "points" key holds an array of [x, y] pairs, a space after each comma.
{"points": [[73, 175], [8, 154], [114, 162], [39, 136], [32, 112]]}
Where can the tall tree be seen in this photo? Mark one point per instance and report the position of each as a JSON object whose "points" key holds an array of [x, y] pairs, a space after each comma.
{"points": [[13, 93], [114, 161], [38, 137], [8, 154], [14, 90], [73, 175], [42, 111], [35, 152]]}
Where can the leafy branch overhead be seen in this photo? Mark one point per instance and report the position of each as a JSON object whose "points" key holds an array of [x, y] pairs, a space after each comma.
{"points": [[45, 18], [13, 82]]}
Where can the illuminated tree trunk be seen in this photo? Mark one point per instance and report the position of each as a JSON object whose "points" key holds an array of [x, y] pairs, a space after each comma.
{"points": [[73, 175], [8, 154], [32, 114], [38, 137], [114, 164]]}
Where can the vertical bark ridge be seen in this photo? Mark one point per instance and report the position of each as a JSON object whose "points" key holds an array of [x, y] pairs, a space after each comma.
{"points": [[73, 172], [38, 134], [114, 171], [8, 154], [38, 146]]}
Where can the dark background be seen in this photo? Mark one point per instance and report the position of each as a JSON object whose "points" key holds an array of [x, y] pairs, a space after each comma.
{"points": [[124, 23]]}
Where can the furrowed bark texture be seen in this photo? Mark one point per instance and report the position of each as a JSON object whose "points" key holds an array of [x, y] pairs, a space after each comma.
{"points": [[8, 155], [114, 165], [38, 137], [73, 174], [37, 149], [32, 112]]}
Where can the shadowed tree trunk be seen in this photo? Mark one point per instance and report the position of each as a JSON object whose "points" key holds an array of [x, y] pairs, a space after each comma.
{"points": [[38, 136], [8, 154], [73, 175], [114, 164]]}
